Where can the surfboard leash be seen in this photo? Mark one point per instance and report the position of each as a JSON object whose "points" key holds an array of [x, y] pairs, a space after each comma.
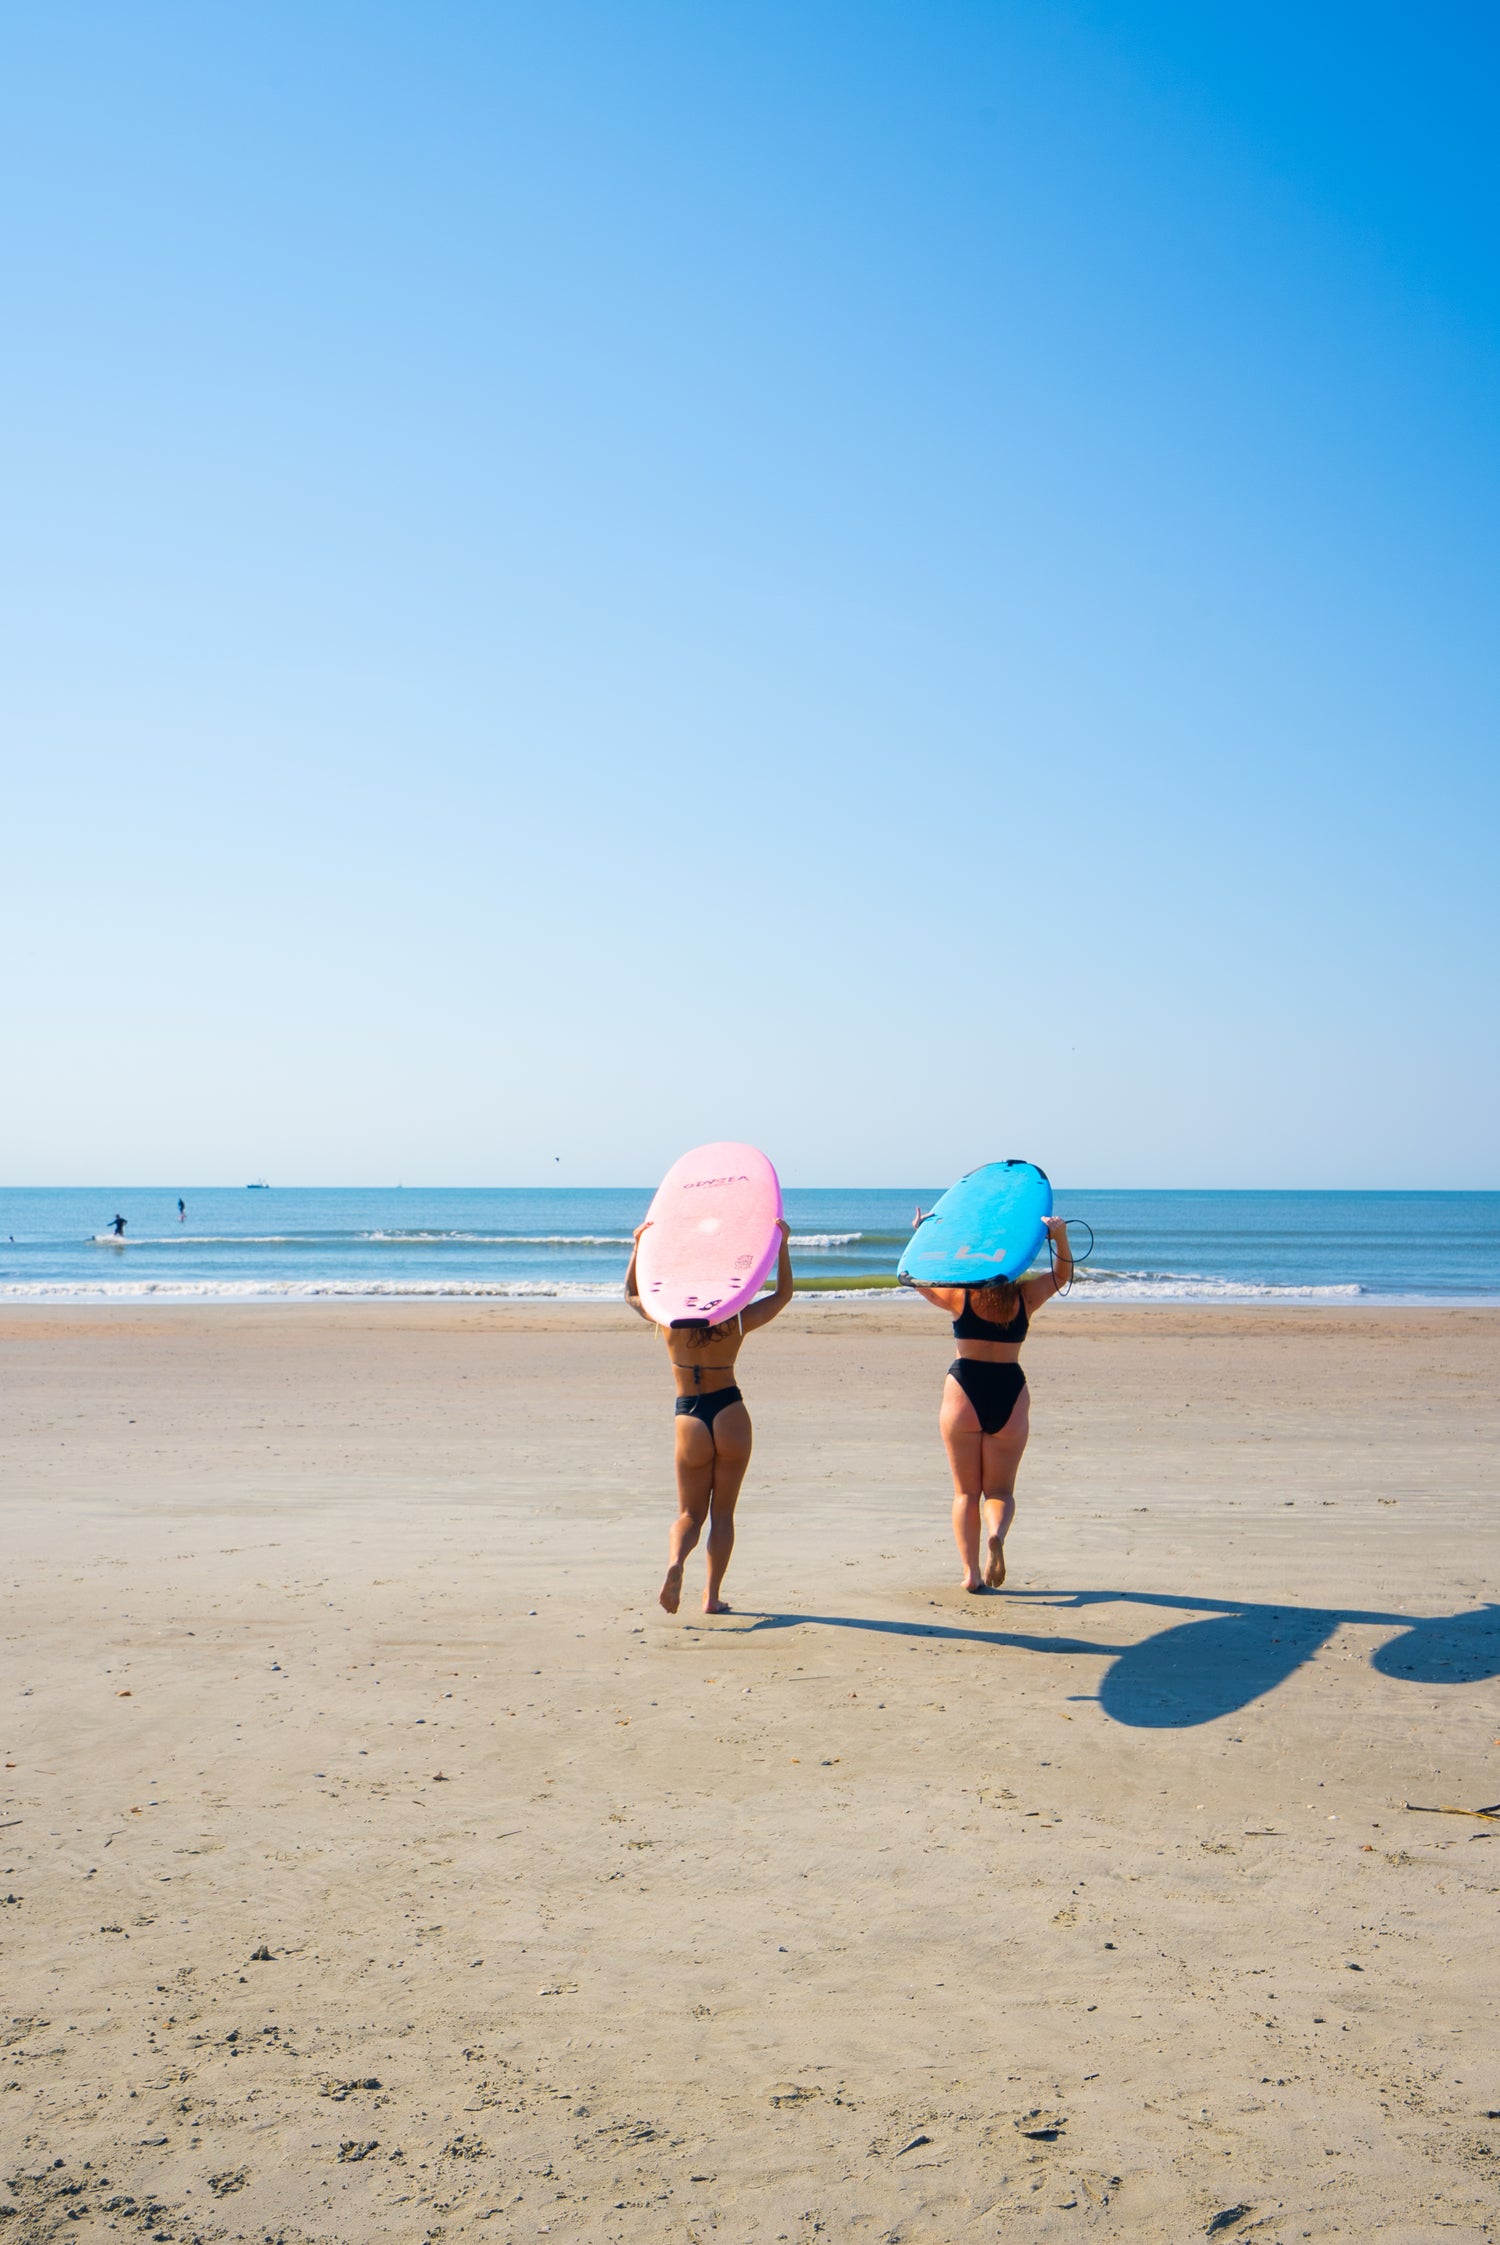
{"points": [[1077, 1259]]}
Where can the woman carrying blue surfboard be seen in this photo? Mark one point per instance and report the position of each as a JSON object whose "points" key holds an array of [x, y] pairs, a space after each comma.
{"points": [[968, 1258]]}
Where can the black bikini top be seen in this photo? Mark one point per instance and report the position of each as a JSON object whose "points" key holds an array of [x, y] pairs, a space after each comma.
{"points": [[970, 1326]]}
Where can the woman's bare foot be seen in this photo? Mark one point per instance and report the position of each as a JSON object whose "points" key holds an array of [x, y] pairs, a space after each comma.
{"points": [[972, 1583], [671, 1590], [716, 1606], [994, 1573]]}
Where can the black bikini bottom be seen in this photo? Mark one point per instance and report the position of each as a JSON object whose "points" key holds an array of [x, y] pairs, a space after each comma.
{"points": [[707, 1407], [993, 1389]]}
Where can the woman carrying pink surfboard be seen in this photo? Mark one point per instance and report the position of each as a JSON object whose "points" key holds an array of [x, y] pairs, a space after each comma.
{"points": [[699, 1262]]}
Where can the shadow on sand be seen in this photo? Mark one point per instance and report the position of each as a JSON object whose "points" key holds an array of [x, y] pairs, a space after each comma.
{"points": [[1231, 1653]]}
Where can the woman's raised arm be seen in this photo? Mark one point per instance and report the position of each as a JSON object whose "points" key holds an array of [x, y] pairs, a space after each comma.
{"points": [[1039, 1290], [761, 1313], [631, 1294]]}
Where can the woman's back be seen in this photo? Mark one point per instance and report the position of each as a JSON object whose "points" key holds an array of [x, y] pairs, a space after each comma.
{"points": [[703, 1357], [1009, 1329]]}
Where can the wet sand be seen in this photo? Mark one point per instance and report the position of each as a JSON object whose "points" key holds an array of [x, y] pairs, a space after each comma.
{"points": [[378, 1862]]}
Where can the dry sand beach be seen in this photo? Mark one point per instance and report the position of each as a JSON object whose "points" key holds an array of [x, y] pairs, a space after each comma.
{"points": [[379, 1863]]}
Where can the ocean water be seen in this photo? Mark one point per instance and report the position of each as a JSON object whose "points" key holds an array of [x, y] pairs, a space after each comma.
{"points": [[287, 1242]]}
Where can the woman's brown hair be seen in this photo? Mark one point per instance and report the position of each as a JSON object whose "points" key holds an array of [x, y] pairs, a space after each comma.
{"points": [[998, 1301], [704, 1336]]}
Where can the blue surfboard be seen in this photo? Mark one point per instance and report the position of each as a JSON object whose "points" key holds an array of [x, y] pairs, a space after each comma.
{"points": [[989, 1225]]}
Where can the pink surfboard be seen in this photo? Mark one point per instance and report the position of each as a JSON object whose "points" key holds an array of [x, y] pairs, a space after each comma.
{"points": [[712, 1239]]}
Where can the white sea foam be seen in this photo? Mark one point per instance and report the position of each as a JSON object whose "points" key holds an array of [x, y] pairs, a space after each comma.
{"points": [[1132, 1287], [1171, 1286], [891, 1293], [503, 1239], [823, 1239], [295, 1289], [1114, 1286]]}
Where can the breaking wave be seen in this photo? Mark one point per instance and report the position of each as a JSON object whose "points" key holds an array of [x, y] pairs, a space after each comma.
{"points": [[1190, 1286]]}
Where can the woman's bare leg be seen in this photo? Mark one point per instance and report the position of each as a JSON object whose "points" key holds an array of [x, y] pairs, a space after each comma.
{"points": [[732, 1440], [1000, 1462], [998, 1515], [695, 1481], [964, 1443]]}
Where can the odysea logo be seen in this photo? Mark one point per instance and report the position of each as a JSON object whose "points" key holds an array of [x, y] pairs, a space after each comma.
{"points": [[696, 1184]]}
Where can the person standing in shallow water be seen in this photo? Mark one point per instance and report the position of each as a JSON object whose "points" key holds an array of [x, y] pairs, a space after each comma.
{"points": [[713, 1428], [985, 1415]]}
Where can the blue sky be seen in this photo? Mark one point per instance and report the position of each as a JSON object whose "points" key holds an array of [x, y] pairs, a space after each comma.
{"points": [[905, 582]]}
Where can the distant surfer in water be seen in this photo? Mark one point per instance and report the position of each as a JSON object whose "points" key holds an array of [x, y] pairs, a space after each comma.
{"points": [[117, 1226], [985, 1415], [182, 1211], [713, 1429]]}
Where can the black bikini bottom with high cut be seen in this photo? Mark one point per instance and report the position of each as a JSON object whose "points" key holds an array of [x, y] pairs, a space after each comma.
{"points": [[707, 1407], [993, 1389]]}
